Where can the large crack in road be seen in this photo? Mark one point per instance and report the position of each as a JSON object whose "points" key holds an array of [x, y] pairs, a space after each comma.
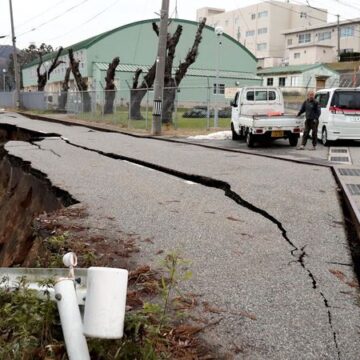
{"points": [[226, 187]]}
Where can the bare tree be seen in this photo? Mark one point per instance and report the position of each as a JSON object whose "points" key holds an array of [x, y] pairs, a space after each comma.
{"points": [[64, 90], [170, 83], [138, 92], [110, 88], [80, 82], [45, 76]]}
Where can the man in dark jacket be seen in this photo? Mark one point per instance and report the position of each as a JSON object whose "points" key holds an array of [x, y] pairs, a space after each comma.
{"points": [[312, 111]]}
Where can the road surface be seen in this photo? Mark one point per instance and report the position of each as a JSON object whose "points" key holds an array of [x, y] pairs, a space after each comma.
{"points": [[266, 237]]}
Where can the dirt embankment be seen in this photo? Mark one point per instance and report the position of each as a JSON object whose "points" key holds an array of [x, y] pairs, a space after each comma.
{"points": [[24, 194]]}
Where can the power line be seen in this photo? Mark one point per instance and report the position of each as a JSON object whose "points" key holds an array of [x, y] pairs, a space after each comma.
{"points": [[40, 14], [344, 19], [86, 22], [309, 16], [54, 18]]}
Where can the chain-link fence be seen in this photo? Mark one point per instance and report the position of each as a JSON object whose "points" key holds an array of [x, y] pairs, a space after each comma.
{"points": [[192, 107], [185, 107]]}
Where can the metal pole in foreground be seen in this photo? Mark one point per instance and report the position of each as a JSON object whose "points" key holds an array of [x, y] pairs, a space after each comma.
{"points": [[160, 69], [218, 30], [16, 68], [338, 37]]}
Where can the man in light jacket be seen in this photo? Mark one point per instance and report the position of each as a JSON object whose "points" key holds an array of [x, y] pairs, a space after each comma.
{"points": [[312, 111]]}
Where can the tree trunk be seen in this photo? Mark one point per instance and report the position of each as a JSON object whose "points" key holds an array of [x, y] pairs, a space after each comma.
{"points": [[136, 96], [80, 82], [64, 90], [86, 101], [168, 102], [109, 101], [44, 77], [110, 89]]}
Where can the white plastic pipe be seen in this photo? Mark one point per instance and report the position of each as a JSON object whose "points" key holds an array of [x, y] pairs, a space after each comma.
{"points": [[105, 302], [70, 317]]}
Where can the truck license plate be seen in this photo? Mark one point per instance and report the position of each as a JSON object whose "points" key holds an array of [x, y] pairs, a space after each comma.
{"points": [[277, 133]]}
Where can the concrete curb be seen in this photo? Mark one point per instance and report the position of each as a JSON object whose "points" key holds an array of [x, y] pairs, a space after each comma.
{"points": [[349, 200]]}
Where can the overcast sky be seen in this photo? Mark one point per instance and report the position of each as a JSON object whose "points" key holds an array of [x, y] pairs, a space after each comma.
{"points": [[65, 22]]}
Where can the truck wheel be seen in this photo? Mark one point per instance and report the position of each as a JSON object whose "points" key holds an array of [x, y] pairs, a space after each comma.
{"points": [[235, 136], [324, 138], [250, 140], [293, 140]]}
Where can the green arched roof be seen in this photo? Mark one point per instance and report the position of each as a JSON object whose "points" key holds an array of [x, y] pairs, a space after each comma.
{"points": [[87, 43]]}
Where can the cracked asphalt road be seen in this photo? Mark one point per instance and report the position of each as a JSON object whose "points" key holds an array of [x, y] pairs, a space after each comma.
{"points": [[241, 261]]}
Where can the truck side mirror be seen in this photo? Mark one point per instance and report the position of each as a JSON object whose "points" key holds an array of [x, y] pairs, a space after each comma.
{"points": [[232, 103]]}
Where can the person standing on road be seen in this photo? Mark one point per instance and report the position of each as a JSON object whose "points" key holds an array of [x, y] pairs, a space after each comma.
{"points": [[312, 111]]}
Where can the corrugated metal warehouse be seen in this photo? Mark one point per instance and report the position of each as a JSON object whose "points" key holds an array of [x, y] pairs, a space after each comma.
{"points": [[136, 45]]}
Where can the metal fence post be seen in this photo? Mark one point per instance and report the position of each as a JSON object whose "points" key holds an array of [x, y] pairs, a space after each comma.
{"points": [[208, 105], [176, 106], [147, 104], [129, 109]]}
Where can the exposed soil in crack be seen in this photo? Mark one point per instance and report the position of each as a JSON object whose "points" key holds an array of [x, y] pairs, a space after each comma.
{"points": [[24, 194], [40, 222], [226, 187]]}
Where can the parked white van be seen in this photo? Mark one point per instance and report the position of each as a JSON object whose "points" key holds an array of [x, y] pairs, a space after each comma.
{"points": [[340, 114]]}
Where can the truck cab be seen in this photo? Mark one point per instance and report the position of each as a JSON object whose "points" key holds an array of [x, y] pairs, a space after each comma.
{"points": [[257, 101]]}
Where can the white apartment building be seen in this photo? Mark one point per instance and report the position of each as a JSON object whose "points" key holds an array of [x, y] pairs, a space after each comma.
{"points": [[260, 27], [319, 44]]}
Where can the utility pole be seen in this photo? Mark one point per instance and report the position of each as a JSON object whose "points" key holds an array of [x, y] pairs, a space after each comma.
{"points": [[160, 69], [16, 68], [338, 36]]}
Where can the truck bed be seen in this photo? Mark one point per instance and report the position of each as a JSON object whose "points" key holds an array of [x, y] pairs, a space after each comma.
{"points": [[277, 121]]}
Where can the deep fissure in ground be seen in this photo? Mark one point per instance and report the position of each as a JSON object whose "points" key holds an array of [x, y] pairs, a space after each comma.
{"points": [[24, 194], [298, 254]]}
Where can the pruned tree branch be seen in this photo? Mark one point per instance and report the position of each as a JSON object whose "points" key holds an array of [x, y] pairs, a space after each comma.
{"points": [[110, 74], [155, 28], [55, 62], [191, 55], [136, 78], [65, 85], [80, 82], [74, 64], [171, 47]]}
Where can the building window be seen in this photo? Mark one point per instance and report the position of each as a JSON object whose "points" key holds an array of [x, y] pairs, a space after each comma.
{"points": [[289, 42], [253, 16], [226, 22], [304, 38], [322, 99], [262, 31], [262, 14], [221, 89], [347, 31], [326, 35], [236, 20], [295, 81], [303, 14], [261, 46], [270, 81], [297, 55], [271, 95], [282, 81], [250, 33]]}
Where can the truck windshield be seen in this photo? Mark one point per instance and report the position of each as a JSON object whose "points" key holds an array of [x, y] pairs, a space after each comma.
{"points": [[346, 100]]}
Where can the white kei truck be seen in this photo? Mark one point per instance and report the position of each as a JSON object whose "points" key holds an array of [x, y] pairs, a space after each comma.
{"points": [[258, 115], [340, 114]]}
